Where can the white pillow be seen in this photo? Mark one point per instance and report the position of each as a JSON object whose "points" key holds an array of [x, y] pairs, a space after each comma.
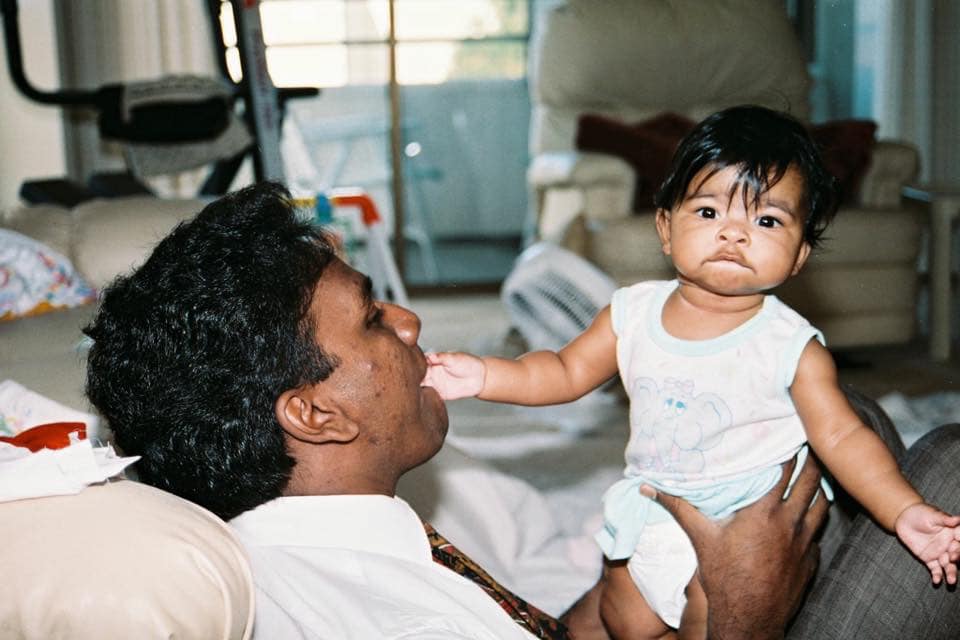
{"points": [[120, 560]]}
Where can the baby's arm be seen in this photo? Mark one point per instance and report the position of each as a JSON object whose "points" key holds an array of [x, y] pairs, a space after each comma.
{"points": [[536, 378], [861, 462]]}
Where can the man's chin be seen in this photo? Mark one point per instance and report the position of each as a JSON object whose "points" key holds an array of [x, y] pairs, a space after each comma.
{"points": [[441, 426], [430, 397]]}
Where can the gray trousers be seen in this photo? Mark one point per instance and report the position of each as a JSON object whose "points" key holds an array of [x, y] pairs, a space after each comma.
{"points": [[868, 585]]}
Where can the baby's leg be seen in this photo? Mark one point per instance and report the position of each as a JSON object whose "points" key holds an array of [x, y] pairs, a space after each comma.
{"points": [[623, 609], [693, 622]]}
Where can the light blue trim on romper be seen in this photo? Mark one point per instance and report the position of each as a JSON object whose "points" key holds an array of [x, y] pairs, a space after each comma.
{"points": [[617, 312], [790, 355], [623, 503], [682, 347]]}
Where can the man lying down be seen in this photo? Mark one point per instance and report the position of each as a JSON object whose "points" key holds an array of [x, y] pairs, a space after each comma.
{"points": [[257, 377]]}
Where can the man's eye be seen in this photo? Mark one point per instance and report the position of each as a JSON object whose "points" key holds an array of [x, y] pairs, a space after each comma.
{"points": [[707, 212], [376, 317], [768, 221]]}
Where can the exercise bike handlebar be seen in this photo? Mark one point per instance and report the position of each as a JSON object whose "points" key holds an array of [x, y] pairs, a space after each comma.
{"points": [[63, 97], [97, 98]]}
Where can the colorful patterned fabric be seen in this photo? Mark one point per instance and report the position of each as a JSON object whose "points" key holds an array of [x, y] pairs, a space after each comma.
{"points": [[526, 615], [35, 279]]}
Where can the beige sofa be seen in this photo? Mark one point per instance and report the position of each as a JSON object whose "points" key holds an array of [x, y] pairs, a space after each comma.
{"points": [[632, 60]]}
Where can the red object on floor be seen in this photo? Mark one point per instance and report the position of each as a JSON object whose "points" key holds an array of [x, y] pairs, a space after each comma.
{"points": [[53, 435]]}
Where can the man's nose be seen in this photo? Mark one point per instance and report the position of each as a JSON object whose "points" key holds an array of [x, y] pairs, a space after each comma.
{"points": [[405, 323]]}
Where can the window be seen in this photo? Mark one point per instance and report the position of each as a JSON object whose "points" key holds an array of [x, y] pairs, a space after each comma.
{"points": [[459, 99], [332, 43]]}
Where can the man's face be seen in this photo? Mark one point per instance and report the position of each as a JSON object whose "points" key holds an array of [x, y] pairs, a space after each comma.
{"points": [[377, 381]]}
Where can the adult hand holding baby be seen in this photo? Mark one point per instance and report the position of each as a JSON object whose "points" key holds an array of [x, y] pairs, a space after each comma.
{"points": [[773, 540]]}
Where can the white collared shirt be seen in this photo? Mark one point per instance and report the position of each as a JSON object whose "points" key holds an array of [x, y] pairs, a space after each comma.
{"points": [[341, 567]]}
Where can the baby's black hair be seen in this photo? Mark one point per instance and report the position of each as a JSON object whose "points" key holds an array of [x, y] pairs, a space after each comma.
{"points": [[762, 144]]}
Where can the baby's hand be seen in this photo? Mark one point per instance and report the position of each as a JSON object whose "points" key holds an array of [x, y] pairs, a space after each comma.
{"points": [[454, 375], [932, 536]]}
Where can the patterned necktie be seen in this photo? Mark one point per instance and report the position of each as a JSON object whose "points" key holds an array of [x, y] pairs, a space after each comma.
{"points": [[527, 616]]}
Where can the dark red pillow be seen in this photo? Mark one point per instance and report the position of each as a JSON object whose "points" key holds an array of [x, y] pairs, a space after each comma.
{"points": [[648, 146], [846, 147]]}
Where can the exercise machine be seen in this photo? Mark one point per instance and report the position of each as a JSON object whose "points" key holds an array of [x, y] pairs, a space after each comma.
{"points": [[189, 114]]}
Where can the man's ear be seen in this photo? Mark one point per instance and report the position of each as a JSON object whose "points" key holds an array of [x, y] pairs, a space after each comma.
{"points": [[663, 229], [307, 415], [802, 256]]}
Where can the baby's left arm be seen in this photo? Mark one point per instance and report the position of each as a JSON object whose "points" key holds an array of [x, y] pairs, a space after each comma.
{"points": [[863, 464]]}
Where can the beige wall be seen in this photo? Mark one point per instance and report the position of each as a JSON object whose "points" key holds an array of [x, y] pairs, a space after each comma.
{"points": [[31, 135]]}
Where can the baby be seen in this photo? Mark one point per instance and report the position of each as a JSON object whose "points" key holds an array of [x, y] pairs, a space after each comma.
{"points": [[725, 382]]}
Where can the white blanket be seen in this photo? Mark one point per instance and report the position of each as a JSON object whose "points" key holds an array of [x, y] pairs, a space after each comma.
{"points": [[26, 474]]}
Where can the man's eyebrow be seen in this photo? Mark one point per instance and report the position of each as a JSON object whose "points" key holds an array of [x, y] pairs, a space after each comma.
{"points": [[366, 291]]}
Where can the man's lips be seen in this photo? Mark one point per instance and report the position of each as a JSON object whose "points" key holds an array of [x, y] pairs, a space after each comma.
{"points": [[422, 362], [425, 363]]}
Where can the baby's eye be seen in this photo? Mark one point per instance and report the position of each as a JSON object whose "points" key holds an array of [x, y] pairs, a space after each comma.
{"points": [[768, 221], [707, 212]]}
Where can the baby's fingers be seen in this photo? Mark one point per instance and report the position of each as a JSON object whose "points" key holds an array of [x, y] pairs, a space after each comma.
{"points": [[936, 571], [439, 358], [953, 550], [951, 570]]}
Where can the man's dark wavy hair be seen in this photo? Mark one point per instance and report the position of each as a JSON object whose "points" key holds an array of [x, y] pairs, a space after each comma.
{"points": [[762, 144], [191, 350]]}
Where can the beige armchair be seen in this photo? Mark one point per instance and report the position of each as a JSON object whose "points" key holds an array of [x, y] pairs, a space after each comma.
{"points": [[636, 59]]}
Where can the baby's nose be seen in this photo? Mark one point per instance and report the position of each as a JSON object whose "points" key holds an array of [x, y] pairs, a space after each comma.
{"points": [[734, 232]]}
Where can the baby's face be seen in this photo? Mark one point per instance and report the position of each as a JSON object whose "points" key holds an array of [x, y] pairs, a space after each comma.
{"points": [[728, 246]]}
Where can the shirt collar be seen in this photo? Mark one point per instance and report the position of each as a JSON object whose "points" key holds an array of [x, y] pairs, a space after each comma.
{"points": [[367, 523]]}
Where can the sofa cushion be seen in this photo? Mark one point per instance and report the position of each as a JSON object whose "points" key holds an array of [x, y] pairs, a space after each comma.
{"points": [[649, 57], [120, 560], [44, 353], [48, 224], [112, 236]]}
